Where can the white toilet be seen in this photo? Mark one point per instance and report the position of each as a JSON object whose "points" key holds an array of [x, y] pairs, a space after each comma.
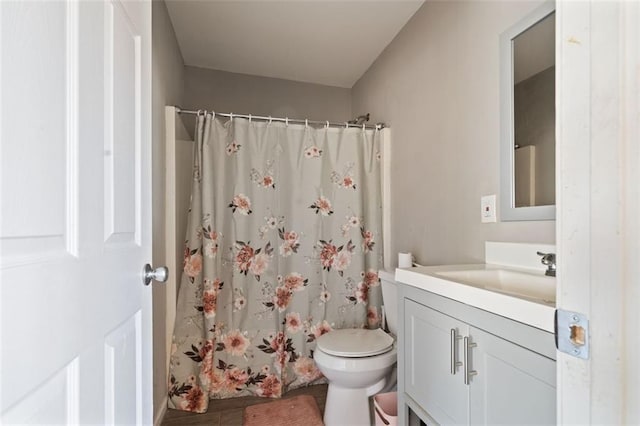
{"points": [[358, 363]]}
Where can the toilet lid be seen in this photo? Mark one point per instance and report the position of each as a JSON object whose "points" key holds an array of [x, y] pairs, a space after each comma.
{"points": [[355, 342]]}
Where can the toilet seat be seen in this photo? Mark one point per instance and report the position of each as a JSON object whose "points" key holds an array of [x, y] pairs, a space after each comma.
{"points": [[355, 342]]}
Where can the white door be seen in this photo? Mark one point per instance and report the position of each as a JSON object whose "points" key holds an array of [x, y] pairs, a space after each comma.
{"points": [[75, 212], [598, 171]]}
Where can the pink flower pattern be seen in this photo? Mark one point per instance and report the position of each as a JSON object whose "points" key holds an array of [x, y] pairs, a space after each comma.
{"points": [[282, 298], [323, 206], [290, 244], [235, 378], [295, 282], [293, 322], [317, 330], [270, 387], [372, 316], [194, 400], [312, 152], [344, 180], [328, 253], [256, 333], [192, 263], [306, 369], [247, 259], [244, 256], [211, 241], [265, 179], [209, 302], [338, 258], [232, 148], [235, 343], [361, 294], [242, 204], [370, 278], [367, 240]]}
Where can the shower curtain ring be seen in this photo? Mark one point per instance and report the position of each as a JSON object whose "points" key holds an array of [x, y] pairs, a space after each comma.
{"points": [[198, 113], [286, 121], [231, 116], [213, 115], [327, 125], [249, 118], [269, 119], [363, 127], [346, 124], [306, 123]]}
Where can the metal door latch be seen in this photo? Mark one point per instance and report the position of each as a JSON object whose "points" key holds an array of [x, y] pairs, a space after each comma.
{"points": [[572, 333]]}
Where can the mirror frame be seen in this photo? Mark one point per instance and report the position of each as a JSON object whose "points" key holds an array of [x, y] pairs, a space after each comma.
{"points": [[508, 211]]}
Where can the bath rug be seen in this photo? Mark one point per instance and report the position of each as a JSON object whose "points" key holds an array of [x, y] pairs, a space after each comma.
{"points": [[297, 411]]}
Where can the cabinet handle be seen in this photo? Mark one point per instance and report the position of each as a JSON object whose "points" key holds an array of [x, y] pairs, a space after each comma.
{"points": [[454, 362], [467, 353]]}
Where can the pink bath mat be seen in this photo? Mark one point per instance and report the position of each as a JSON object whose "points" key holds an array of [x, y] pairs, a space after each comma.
{"points": [[297, 411]]}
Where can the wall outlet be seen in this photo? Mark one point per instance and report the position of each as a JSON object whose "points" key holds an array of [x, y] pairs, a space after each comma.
{"points": [[488, 208]]}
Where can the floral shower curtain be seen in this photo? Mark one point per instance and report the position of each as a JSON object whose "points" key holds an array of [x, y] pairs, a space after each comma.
{"points": [[283, 245]]}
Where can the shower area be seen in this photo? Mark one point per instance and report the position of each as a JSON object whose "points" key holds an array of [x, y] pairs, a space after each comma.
{"points": [[275, 230]]}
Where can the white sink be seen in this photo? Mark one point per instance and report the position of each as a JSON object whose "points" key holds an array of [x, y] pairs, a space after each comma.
{"points": [[520, 294], [537, 287]]}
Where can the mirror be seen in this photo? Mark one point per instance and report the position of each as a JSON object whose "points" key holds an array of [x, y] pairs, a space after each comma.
{"points": [[527, 96]]}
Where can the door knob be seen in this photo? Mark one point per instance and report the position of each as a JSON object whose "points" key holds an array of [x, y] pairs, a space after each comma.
{"points": [[159, 274]]}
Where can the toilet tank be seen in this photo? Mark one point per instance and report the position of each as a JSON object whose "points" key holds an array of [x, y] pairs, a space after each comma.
{"points": [[390, 299]]}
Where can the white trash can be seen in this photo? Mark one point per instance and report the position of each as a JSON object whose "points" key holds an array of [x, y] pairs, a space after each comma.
{"points": [[385, 406]]}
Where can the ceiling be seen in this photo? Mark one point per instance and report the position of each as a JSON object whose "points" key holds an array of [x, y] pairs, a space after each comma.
{"points": [[324, 42]]}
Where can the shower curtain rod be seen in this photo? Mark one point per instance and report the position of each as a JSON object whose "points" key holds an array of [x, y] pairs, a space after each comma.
{"points": [[377, 126]]}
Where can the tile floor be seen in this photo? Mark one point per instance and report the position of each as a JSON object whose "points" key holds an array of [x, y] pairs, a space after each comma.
{"points": [[229, 412]]}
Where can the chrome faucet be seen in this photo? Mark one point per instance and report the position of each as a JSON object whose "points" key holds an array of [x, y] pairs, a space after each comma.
{"points": [[549, 260]]}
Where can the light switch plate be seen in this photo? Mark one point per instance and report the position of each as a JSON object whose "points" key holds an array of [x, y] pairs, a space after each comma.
{"points": [[488, 208]]}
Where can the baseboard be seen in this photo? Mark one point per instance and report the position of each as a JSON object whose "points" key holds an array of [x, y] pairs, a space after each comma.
{"points": [[163, 410]]}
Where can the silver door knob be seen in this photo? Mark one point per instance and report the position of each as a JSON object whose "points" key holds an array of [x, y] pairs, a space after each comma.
{"points": [[159, 274]]}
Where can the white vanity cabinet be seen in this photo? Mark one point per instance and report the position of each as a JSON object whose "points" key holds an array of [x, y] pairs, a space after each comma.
{"points": [[463, 365], [513, 385], [433, 377]]}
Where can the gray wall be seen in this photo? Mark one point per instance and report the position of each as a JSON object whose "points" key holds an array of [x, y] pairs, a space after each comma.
{"points": [[168, 88], [247, 94], [437, 85]]}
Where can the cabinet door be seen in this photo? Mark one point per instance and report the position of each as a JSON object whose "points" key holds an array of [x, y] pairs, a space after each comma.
{"points": [[513, 385], [429, 379]]}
